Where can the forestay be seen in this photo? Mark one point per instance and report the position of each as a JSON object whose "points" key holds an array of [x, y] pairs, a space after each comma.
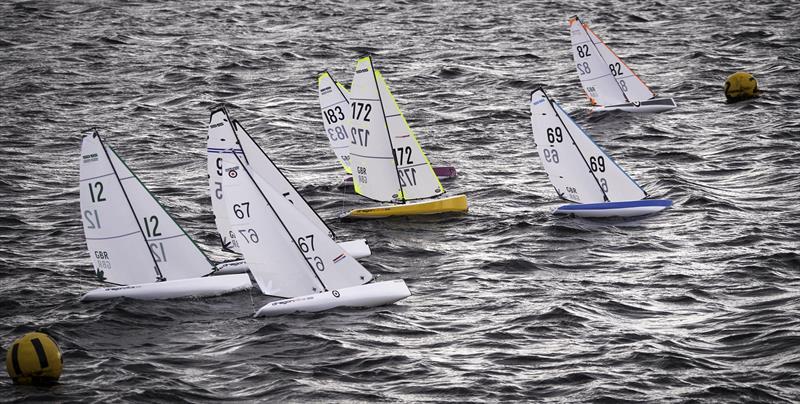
{"points": [[578, 169], [389, 164], [334, 102], [287, 254], [221, 140], [130, 238]]}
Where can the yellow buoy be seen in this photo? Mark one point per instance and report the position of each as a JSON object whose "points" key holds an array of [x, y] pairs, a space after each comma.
{"points": [[34, 359], [740, 86]]}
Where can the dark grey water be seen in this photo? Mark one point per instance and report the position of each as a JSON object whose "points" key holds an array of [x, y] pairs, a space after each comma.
{"points": [[699, 303]]}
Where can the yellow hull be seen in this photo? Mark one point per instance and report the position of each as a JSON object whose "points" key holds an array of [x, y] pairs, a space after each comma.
{"points": [[453, 204]]}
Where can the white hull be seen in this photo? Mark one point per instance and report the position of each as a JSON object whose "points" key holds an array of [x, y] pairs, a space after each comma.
{"points": [[369, 295], [194, 287], [650, 106], [354, 248]]}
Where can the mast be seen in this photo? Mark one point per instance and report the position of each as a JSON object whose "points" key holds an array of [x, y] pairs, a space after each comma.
{"points": [[159, 276], [386, 122]]}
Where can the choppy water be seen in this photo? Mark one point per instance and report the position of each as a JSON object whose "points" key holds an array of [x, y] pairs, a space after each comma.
{"points": [[510, 303]]}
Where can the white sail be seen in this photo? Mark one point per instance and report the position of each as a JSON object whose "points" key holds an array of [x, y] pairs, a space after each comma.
{"points": [[389, 163], [593, 71], [287, 254], [177, 255], [116, 209], [335, 105], [633, 87], [417, 178], [259, 162], [371, 152], [221, 140], [578, 169]]}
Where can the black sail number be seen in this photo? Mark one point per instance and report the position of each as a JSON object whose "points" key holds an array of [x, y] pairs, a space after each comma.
{"points": [[361, 111], [241, 210], [219, 166], [616, 69], [333, 115], [306, 243], [583, 51], [555, 135], [402, 156], [96, 191], [151, 226], [597, 164]]}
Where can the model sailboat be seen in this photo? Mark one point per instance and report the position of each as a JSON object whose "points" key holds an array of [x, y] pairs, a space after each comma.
{"points": [[334, 100], [387, 161], [133, 241], [607, 80], [290, 256], [228, 136], [580, 171]]}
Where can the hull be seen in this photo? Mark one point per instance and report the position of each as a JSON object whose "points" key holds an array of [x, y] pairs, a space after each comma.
{"points": [[648, 106], [453, 204], [369, 295], [615, 209], [444, 173], [195, 287], [354, 248]]}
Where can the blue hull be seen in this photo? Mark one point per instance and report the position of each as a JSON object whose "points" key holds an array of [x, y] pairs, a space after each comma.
{"points": [[615, 209]]}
